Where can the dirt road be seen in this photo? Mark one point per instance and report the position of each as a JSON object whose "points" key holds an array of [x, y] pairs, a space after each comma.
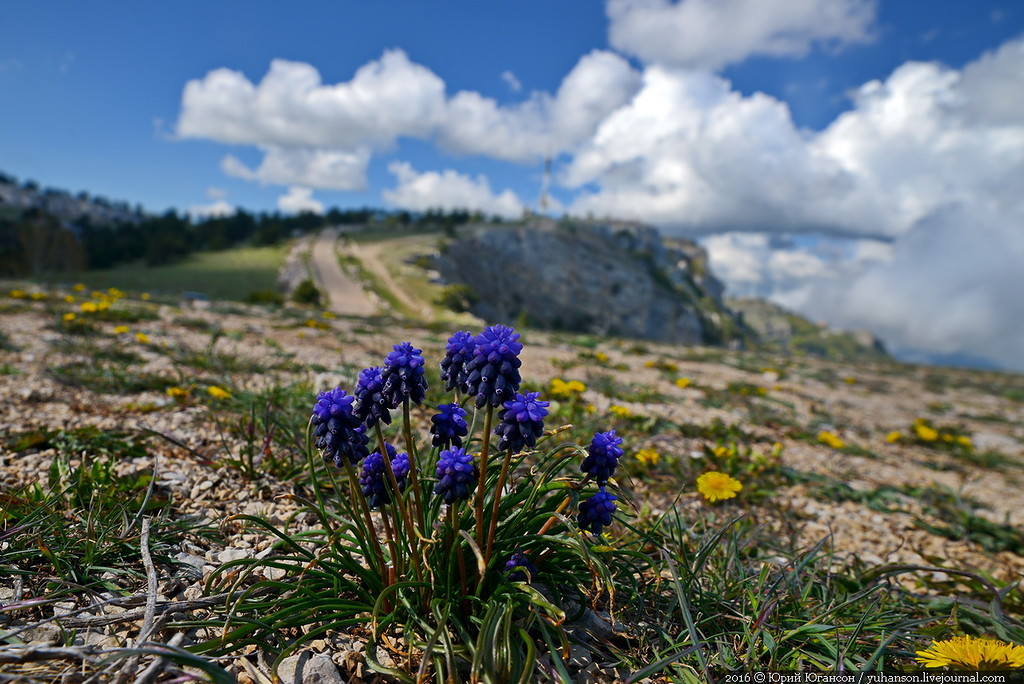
{"points": [[345, 295]]}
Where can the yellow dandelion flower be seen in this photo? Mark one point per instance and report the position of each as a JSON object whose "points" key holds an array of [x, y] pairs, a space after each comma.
{"points": [[311, 323], [121, 330], [893, 437], [648, 457], [946, 437], [590, 408], [620, 411], [69, 299], [926, 433], [964, 441], [78, 287], [177, 392], [96, 294], [650, 364], [682, 383], [720, 451], [601, 357], [38, 296], [831, 439], [972, 653], [115, 293], [762, 391], [17, 294], [87, 307], [142, 338], [330, 314], [850, 380], [715, 486], [218, 392], [69, 316]]}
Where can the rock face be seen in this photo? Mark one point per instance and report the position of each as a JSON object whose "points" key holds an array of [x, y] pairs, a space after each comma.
{"points": [[609, 279]]}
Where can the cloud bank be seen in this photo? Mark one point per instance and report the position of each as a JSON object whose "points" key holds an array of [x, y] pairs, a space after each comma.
{"points": [[916, 187]]}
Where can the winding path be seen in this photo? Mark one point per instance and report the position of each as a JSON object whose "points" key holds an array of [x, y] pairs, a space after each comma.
{"points": [[345, 295]]}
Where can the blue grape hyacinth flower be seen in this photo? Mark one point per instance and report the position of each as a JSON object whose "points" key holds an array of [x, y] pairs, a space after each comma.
{"points": [[456, 475], [597, 511], [519, 567], [371, 406], [493, 372], [448, 426], [337, 431], [404, 376], [373, 479], [522, 422], [603, 456], [457, 356]]}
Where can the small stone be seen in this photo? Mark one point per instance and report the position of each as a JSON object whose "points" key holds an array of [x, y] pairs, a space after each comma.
{"points": [[309, 668], [228, 555]]}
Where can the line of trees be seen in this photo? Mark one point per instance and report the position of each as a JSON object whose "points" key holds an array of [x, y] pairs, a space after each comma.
{"points": [[34, 242]]}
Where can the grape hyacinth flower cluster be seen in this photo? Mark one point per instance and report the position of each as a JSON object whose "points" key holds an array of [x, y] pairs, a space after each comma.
{"points": [[374, 481], [596, 512], [456, 475], [404, 376], [493, 371], [371, 406], [457, 356], [337, 431], [519, 567], [448, 426], [603, 456], [522, 422]]}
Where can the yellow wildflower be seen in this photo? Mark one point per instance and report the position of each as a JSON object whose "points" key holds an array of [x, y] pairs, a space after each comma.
{"points": [[620, 411], [850, 380], [648, 457], [115, 293], [682, 383], [601, 357], [893, 437], [831, 440], [103, 305], [96, 294], [121, 330], [565, 390], [330, 314], [17, 294], [38, 296], [590, 408], [946, 437], [311, 323], [972, 653], [649, 364], [69, 299], [177, 392], [142, 337], [78, 287], [926, 433], [218, 392], [87, 307], [715, 486], [964, 441], [720, 451], [69, 316]]}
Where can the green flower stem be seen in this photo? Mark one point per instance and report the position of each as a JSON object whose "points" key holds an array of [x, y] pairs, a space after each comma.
{"points": [[410, 446], [479, 503], [356, 494], [453, 522], [399, 500], [497, 502]]}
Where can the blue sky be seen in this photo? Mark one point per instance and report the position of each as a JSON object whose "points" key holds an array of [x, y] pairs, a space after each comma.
{"points": [[867, 129]]}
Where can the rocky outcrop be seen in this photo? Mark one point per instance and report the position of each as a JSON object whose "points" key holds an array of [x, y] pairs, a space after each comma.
{"points": [[607, 279]]}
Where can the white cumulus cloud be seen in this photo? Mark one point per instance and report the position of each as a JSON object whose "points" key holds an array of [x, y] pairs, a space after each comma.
{"points": [[448, 189], [711, 34], [216, 209], [327, 169], [298, 200]]}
